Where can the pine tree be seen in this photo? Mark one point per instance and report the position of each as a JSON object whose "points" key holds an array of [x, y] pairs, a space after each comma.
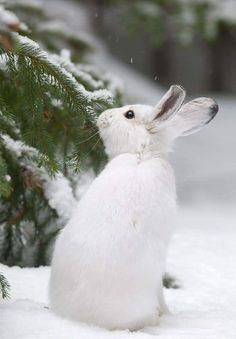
{"points": [[4, 287], [49, 101]]}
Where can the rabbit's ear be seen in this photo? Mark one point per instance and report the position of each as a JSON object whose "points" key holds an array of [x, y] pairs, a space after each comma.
{"points": [[169, 103], [194, 115]]}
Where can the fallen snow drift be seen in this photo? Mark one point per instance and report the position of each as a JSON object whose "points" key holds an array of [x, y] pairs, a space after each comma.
{"points": [[202, 256]]}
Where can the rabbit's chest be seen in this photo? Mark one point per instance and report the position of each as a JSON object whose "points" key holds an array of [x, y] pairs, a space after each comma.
{"points": [[133, 198], [137, 185]]}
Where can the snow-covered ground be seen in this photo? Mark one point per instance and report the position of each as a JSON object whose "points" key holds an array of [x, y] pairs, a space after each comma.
{"points": [[202, 253], [202, 256]]}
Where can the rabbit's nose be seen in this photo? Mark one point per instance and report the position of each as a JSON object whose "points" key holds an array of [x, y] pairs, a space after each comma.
{"points": [[102, 122]]}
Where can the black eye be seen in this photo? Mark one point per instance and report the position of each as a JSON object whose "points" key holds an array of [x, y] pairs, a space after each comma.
{"points": [[129, 115]]}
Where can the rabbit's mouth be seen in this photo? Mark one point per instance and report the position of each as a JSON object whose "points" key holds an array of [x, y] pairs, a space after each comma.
{"points": [[102, 123], [104, 120]]}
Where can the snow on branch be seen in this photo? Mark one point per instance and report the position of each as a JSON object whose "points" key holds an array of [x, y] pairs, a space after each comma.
{"points": [[23, 46], [59, 194], [64, 60], [58, 28], [17, 147], [10, 22], [57, 189]]}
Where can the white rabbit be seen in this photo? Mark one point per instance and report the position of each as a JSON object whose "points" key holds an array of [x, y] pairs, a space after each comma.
{"points": [[109, 260]]}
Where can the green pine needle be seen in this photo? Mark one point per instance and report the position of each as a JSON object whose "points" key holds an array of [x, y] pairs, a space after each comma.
{"points": [[4, 287]]}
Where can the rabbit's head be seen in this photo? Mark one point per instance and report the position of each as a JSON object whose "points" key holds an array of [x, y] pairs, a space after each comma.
{"points": [[145, 129]]}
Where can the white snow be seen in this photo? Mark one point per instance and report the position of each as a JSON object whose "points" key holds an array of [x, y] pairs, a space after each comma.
{"points": [[7, 18], [202, 256], [8, 177], [59, 27], [17, 147], [59, 194], [34, 4], [113, 83], [64, 59], [148, 8], [226, 11]]}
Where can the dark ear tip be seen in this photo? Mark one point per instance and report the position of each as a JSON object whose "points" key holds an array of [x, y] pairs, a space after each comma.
{"points": [[214, 109]]}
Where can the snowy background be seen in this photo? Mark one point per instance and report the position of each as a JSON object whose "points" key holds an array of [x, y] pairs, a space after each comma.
{"points": [[202, 253]]}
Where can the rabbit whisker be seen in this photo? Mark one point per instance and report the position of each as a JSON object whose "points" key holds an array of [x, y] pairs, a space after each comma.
{"points": [[93, 147], [91, 136]]}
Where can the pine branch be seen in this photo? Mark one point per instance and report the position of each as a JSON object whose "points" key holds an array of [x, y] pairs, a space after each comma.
{"points": [[48, 108], [79, 96], [31, 7], [44, 81], [57, 30], [4, 287], [5, 186]]}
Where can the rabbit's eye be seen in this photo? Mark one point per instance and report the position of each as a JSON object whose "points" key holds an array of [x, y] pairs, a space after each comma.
{"points": [[129, 115]]}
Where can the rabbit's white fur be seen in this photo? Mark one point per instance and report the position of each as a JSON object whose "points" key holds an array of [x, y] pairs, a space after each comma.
{"points": [[109, 259]]}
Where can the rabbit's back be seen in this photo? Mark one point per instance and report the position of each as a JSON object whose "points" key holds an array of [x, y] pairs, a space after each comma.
{"points": [[109, 259]]}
